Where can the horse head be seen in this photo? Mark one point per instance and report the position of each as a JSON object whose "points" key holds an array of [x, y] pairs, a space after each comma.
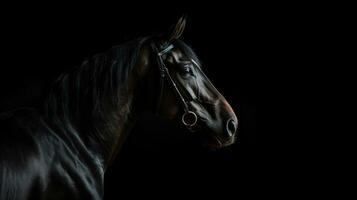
{"points": [[184, 93]]}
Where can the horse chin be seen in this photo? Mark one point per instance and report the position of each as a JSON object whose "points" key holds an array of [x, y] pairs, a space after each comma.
{"points": [[209, 138], [214, 143]]}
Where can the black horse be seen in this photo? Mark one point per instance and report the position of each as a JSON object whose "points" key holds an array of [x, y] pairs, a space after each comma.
{"points": [[62, 150]]}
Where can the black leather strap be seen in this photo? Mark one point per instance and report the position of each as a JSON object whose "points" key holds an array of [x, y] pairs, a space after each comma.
{"points": [[164, 73]]}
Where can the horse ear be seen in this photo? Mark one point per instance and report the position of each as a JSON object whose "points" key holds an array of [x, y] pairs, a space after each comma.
{"points": [[177, 30]]}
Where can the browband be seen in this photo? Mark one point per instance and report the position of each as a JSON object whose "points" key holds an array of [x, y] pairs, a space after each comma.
{"points": [[167, 49]]}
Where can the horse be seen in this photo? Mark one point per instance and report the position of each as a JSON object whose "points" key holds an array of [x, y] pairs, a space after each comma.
{"points": [[62, 149]]}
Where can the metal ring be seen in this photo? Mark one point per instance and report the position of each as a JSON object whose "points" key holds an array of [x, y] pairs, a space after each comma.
{"points": [[187, 118]]}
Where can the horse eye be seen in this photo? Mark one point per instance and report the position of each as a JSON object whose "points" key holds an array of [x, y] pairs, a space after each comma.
{"points": [[186, 70]]}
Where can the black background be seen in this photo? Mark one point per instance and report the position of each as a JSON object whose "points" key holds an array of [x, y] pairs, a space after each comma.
{"points": [[41, 41]]}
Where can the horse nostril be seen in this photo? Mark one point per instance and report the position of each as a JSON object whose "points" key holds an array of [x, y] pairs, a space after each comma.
{"points": [[231, 127]]}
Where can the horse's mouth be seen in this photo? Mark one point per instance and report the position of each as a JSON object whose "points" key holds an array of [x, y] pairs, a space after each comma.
{"points": [[210, 138], [215, 143]]}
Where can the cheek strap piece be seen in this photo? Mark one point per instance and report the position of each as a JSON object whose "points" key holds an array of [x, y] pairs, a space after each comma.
{"points": [[189, 118]]}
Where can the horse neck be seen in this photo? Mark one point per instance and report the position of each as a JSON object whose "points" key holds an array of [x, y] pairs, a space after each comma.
{"points": [[99, 130], [113, 129], [113, 122]]}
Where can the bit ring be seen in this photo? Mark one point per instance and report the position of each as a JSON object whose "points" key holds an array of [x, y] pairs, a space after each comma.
{"points": [[189, 118]]}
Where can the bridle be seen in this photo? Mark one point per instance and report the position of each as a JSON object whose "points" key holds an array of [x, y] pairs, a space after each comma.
{"points": [[189, 118]]}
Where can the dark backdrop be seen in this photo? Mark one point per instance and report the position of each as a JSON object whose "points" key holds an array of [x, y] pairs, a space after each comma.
{"points": [[37, 44]]}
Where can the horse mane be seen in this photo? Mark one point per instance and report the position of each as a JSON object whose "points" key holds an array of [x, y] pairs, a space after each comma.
{"points": [[85, 98]]}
